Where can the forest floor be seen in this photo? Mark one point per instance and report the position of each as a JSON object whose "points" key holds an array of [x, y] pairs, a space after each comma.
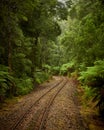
{"points": [[89, 112], [66, 112]]}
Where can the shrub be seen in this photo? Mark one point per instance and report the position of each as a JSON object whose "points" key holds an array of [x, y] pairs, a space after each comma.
{"points": [[88, 92], [55, 70], [6, 83], [94, 77], [24, 86], [41, 76], [93, 73], [67, 68]]}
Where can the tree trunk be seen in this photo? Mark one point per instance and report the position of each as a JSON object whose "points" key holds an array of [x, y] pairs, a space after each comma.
{"points": [[10, 55], [36, 40], [12, 88]]}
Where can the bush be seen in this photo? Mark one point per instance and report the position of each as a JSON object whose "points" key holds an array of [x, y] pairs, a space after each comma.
{"points": [[41, 76], [93, 73], [94, 77], [67, 68], [6, 83], [55, 70], [88, 92], [24, 86]]}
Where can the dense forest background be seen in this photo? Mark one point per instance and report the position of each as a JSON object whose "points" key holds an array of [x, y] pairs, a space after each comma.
{"points": [[41, 38]]}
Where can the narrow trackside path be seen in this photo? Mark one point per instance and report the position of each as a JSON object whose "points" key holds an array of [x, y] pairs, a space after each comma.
{"points": [[53, 106]]}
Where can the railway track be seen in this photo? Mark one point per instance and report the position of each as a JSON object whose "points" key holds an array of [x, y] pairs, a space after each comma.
{"points": [[19, 120], [47, 109], [50, 108]]}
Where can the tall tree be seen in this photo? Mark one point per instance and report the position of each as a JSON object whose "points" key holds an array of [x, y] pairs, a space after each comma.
{"points": [[26, 27]]}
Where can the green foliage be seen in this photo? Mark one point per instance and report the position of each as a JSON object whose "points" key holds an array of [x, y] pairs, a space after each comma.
{"points": [[24, 86], [94, 72], [65, 68], [22, 65], [28, 31], [55, 70], [47, 68], [6, 81], [89, 93], [94, 78], [41, 76], [82, 37]]}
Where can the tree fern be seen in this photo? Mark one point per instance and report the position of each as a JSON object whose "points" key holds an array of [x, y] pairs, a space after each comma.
{"points": [[6, 81], [93, 72]]}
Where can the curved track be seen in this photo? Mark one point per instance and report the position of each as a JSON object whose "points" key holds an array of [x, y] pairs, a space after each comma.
{"points": [[45, 113], [18, 121]]}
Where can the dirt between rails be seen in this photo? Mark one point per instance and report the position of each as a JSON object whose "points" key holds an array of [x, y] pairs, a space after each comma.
{"points": [[64, 114]]}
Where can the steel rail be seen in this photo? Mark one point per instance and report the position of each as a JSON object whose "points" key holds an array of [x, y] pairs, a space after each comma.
{"points": [[45, 113], [17, 123]]}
